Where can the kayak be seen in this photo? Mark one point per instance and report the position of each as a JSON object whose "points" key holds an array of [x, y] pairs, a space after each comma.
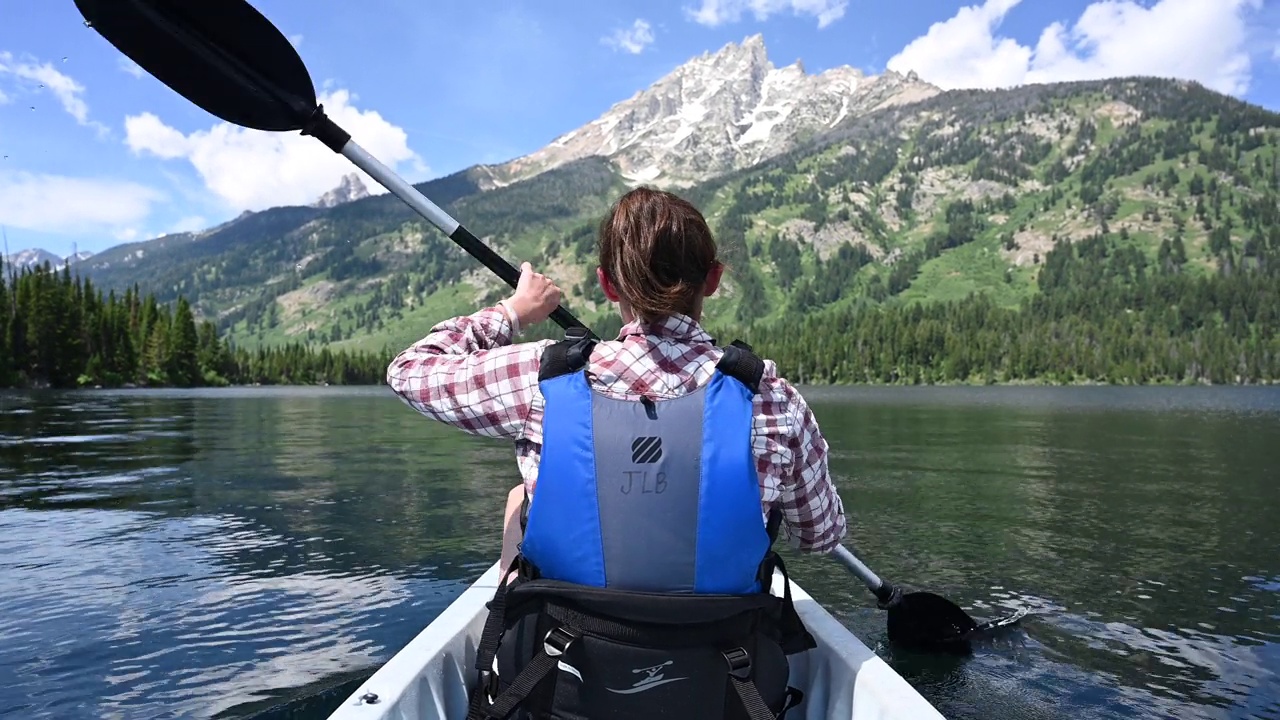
{"points": [[429, 678]]}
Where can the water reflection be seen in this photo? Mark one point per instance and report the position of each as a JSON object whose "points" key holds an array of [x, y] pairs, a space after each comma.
{"points": [[1145, 528], [232, 553], [199, 555]]}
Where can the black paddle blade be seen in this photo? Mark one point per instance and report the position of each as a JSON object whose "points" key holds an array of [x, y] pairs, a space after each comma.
{"points": [[222, 55], [926, 620]]}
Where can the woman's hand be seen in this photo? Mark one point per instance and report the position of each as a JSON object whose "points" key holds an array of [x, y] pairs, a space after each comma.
{"points": [[535, 298]]}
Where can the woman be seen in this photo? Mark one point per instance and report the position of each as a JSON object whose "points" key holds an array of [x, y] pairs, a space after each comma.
{"points": [[663, 456], [657, 261]]}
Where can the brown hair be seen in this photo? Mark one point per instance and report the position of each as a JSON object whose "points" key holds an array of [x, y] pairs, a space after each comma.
{"points": [[656, 249]]}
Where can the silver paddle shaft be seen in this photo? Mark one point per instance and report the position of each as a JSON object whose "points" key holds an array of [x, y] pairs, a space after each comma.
{"points": [[399, 187], [849, 560]]}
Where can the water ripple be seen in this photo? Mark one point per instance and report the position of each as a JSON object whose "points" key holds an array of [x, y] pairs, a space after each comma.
{"points": [[254, 552]]}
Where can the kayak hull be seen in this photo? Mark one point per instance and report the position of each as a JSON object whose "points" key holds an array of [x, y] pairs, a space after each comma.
{"points": [[429, 678]]}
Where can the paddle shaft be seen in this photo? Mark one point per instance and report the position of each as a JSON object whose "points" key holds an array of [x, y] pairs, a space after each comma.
{"points": [[882, 590], [447, 225]]}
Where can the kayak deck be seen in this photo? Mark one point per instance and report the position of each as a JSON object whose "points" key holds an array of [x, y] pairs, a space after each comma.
{"points": [[429, 678]]}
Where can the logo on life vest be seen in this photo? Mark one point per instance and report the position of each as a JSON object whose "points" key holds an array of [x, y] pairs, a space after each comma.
{"points": [[653, 678], [646, 450]]}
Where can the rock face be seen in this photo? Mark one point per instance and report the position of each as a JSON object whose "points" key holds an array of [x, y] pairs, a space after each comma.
{"points": [[349, 189], [716, 113]]}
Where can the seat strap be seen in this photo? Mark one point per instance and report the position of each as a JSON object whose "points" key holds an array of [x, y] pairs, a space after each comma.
{"points": [[740, 676], [795, 636], [491, 636], [541, 665]]}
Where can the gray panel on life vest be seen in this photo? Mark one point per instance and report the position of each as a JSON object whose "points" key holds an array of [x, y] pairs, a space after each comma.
{"points": [[648, 474]]}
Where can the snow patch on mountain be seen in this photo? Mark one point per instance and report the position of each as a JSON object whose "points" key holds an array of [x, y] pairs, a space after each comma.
{"points": [[35, 257]]}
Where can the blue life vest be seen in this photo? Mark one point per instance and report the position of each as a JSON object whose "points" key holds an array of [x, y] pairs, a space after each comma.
{"points": [[642, 583], [653, 496]]}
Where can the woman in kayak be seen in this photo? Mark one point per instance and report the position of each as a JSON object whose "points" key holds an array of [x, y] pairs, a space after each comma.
{"points": [[657, 448]]}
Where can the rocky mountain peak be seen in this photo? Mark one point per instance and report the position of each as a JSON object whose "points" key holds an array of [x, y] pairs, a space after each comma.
{"points": [[718, 112], [350, 188], [35, 257]]}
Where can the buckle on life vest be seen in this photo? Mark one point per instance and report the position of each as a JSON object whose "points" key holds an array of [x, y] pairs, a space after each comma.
{"points": [[739, 663]]}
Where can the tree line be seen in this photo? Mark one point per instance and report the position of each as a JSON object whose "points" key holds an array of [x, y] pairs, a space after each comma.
{"points": [[1104, 313], [58, 330]]}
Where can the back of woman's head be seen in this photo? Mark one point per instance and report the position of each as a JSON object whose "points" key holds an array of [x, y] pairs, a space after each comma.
{"points": [[656, 249]]}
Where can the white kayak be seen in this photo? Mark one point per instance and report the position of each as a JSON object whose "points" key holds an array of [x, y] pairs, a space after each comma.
{"points": [[429, 678]]}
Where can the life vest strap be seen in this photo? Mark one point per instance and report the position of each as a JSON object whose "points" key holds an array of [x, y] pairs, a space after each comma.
{"points": [[571, 354]]}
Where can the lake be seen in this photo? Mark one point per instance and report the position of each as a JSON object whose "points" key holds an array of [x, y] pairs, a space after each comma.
{"points": [[257, 552]]}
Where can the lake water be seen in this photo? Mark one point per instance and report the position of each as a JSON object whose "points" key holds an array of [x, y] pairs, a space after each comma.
{"points": [[258, 552]]}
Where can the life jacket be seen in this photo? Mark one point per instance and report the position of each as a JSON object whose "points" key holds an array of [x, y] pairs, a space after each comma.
{"points": [[642, 586]]}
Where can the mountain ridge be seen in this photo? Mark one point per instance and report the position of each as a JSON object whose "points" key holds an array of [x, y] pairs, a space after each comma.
{"points": [[32, 257], [716, 112]]}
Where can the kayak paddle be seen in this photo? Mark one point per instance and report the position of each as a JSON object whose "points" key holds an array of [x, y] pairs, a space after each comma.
{"points": [[231, 61], [920, 619]]}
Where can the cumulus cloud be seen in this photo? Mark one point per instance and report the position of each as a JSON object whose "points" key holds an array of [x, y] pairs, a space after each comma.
{"points": [[717, 12], [633, 39], [254, 170], [44, 76], [61, 204], [1202, 40]]}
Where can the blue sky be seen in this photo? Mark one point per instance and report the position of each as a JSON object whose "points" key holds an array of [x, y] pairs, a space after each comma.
{"points": [[95, 153]]}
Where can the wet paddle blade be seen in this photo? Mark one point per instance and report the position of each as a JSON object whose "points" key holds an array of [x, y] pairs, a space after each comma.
{"points": [[222, 55], [923, 619]]}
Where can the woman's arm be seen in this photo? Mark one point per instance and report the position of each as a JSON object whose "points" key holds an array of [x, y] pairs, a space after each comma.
{"points": [[794, 453], [811, 503], [466, 373]]}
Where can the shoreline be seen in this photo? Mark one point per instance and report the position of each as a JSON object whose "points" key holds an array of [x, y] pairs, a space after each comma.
{"points": [[1028, 383]]}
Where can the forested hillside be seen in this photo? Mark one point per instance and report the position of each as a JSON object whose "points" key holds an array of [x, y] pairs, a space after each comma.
{"points": [[1120, 230], [57, 330]]}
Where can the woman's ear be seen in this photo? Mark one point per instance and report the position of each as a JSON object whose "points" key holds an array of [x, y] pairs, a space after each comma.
{"points": [[610, 291], [713, 279]]}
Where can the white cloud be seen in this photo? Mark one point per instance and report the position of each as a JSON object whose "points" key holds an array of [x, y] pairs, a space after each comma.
{"points": [[254, 170], [61, 204], [46, 77], [5, 98], [127, 64], [633, 40], [717, 12], [1201, 40]]}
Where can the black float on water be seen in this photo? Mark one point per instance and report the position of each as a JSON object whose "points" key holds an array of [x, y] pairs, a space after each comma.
{"points": [[231, 61]]}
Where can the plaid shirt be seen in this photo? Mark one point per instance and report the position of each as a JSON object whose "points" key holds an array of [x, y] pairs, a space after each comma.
{"points": [[467, 374]]}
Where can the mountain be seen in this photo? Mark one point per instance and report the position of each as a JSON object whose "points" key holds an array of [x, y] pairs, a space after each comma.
{"points": [[35, 256], [350, 189], [999, 232], [718, 112]]}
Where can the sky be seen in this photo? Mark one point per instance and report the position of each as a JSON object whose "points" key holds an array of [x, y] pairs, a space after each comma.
{"points": [[95, 152]]}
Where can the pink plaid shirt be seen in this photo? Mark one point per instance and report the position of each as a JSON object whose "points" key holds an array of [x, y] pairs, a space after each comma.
{"points": [[467, 374]]}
